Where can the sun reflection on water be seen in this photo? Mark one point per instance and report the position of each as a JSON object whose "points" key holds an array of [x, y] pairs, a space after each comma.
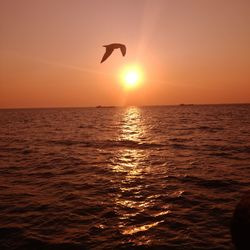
{"points": [[129, 159], [133, 201], [132, 128], [142, 228]]}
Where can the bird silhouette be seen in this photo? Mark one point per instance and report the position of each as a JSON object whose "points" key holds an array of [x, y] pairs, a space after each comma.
{"points": [[110, 48]]}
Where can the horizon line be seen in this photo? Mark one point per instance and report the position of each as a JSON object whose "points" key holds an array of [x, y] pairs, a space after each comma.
{"points": [[125, 106]]}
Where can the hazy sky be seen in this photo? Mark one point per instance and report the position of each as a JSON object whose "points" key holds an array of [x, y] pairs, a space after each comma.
{"points": [[191, 51]]}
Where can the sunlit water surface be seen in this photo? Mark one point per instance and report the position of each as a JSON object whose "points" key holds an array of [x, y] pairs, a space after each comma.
{"points": [[112, 178]]}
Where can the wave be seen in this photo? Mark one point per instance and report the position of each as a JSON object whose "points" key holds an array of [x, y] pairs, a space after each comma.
{"points": [[13, 238], [107, 144]]}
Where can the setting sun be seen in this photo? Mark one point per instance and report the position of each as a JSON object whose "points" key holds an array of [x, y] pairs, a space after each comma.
{"points": [[131, 77]]}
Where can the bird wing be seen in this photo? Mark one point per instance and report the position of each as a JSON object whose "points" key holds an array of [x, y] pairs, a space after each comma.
{"points": [[123, 49], [107, 54]]}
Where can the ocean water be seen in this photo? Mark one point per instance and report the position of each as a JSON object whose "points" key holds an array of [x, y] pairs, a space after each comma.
{"points": [[122, 178]]}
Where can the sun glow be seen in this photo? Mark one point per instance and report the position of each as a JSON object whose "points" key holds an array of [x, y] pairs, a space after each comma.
{"points": [[131, 77]]}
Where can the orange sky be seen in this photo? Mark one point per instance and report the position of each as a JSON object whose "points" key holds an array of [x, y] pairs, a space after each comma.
{"points": [[191, 51]]}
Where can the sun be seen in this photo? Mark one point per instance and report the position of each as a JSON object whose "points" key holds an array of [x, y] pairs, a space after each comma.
{"points": [[131, 77]]}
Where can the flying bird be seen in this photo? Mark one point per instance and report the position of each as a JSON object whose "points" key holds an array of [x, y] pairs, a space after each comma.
{"points": [[110, 48]]}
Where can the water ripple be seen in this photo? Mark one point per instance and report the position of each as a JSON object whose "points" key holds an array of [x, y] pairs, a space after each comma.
{"points": [[122, 178]]}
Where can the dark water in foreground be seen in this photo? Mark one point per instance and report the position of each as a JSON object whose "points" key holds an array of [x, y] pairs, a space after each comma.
{"points": [[114, 178]]}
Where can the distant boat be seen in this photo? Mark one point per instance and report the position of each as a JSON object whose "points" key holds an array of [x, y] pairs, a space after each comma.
{"points": [[100, 106], [183, 104]]}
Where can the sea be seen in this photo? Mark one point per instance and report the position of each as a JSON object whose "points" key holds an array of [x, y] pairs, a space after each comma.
{"points": [[162, 177]]}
